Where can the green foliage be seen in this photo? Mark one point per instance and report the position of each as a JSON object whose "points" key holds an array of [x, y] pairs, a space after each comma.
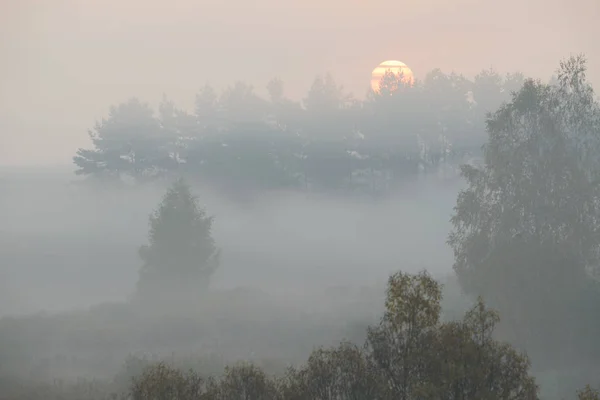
{"points": [[423, 358], [528, 222], [242, 381], [163, 382], [245, 381], [343, 372], [409, 355], [397, 344], [479, 366], [181, 254], [588, 394], [413, 301]]}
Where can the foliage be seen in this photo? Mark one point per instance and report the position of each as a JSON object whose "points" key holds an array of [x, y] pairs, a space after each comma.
{"points": [[397, 344], [244, 381], [325, 95], [163, 382], [130, 141], [327, 142], [588, 394], [478, 366], [338, 373], [419, 357], [528, 222], [410, 354], [181, 254]]}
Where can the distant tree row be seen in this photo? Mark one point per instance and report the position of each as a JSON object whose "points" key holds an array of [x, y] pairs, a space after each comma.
{"points": [[328, 141]]}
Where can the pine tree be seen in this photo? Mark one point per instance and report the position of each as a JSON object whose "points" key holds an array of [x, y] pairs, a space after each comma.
{"points": [[181, 255]]}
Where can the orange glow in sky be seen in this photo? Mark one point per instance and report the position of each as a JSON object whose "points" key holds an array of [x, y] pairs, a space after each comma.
{"points": [[396, 67]]}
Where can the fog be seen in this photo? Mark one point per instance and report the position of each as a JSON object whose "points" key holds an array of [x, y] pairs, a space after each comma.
{"points": [[298, 270], [66, 245], [329, 199]]}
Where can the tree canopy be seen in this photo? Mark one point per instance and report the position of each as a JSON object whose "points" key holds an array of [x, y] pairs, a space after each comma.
{"points": [[371, 145], [181, 255], [409, 355], [527, 224]]}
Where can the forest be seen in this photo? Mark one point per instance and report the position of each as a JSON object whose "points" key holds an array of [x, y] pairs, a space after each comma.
{"points": [[276, 249]]}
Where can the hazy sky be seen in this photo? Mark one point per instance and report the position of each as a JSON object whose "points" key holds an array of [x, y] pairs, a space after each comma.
{"points": [[65, 61]]}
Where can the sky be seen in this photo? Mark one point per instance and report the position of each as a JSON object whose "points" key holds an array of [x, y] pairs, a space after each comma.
{"points": [[64, 62]]}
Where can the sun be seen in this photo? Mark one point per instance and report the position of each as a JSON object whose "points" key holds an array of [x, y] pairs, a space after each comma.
{"points": [[394, 66]]}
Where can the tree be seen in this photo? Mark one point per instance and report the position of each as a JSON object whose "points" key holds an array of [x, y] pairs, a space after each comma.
{"points": [[470, 364], [449, 112], [488, 92], [325, 95], [207, 109], [244, 382], [242, 107], [397, 343], [285, 114], [397, 113], [179, 128], [526, 231], [181, 255], [416, 356], [409, 355], [275, 89], [588, 394], [390, 83], [416, 129], [164, 382], [513, 82], [339, 373], [130, 142]]}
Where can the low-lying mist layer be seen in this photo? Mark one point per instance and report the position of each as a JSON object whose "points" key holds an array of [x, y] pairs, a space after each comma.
{"points": [[70, 246]]}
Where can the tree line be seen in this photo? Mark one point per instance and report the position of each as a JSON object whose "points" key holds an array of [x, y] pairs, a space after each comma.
{"points": [[525, 236], [327, 141]]}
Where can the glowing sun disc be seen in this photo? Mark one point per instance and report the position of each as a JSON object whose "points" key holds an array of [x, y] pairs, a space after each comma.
{"points": [[394, 66]]}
